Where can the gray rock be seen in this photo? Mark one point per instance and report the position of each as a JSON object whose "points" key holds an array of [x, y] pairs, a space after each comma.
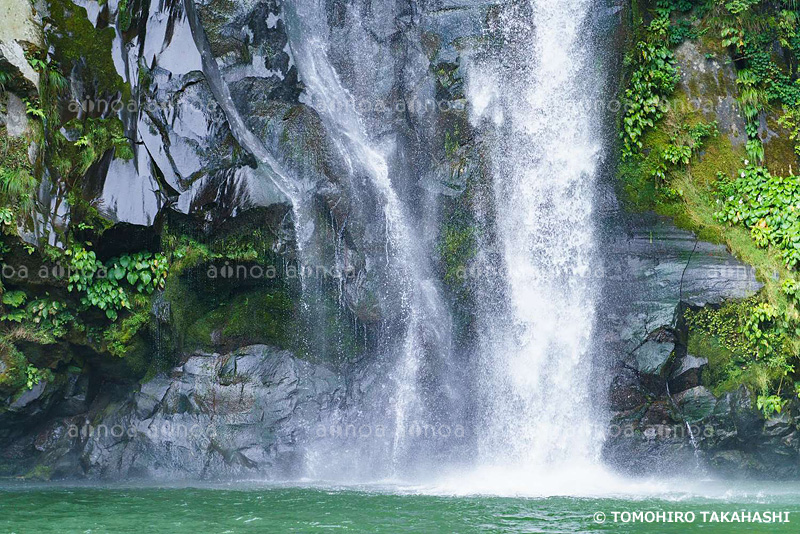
{"points": [[194, 425], [687, 374], [29, 396], [16, 116], [20, 29], [655, 267], [689, 363], [652, 356], [696, 404], [652, 272]]}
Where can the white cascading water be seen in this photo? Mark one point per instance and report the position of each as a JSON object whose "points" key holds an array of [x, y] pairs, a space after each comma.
{"points": [[426, 321], [538, 431]]}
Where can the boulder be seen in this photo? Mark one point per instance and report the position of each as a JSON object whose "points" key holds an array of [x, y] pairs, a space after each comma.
{"points": [[687, 374], [20, 30], [695, 404]]}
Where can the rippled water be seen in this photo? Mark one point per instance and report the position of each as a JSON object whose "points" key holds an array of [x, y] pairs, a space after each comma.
{"points": [[236, 508]]}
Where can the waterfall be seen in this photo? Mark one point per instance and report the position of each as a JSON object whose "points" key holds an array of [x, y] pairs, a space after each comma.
{"points": [[409, 287], [527, 90], [527, 83]]}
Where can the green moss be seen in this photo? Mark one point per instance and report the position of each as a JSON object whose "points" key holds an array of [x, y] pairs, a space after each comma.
{"points": [[78, 43], [121, 336], [726, 371], [125, 16], [457, 247], [12, 377], [725, 336], [40, 472], [137, 358], [259, 316], [781, 154], [248, 240], [215, 15]]}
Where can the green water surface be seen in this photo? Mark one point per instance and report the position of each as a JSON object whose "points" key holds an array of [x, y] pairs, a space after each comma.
{"points": [[234, 508]]}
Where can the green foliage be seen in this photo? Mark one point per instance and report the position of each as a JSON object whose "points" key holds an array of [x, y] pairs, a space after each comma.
{"points": [[41, 472], [769, 206], [680, 18], [654, 74], [51, 75], [16, 175], [34, 375], [757, 339], [94, 138], [753, 29], [15, 299], [34, 111], [106, 286], [52, 315], [752, 101], [755, 150], [686, 142], [653, 79], [770, 404], [791, 121], [50, 318], [6, 217], [791, 288], [737, 7]]}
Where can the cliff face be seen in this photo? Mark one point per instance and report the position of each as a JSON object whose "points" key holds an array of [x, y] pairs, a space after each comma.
{"points": [[172, 175], [173, 152], [705, 388]]}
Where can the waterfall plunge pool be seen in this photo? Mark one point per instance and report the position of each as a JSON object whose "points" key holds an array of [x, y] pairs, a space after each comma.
{"points": [[256, 507]]}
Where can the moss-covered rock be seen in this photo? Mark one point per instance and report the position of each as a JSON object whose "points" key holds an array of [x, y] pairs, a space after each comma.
{"points": [[85, 51]]}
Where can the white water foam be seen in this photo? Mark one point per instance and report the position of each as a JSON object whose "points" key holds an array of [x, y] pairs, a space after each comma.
{"points": [[537, 428]]}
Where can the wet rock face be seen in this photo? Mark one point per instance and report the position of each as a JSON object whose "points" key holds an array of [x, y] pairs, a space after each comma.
{"points": [[185, 157], [652, 270], [20, 31], [215, 416], [663, 418]]}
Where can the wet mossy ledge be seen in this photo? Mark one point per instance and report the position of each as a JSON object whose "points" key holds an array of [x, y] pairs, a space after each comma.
{"points": [[708, 136], [127, 313]]}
